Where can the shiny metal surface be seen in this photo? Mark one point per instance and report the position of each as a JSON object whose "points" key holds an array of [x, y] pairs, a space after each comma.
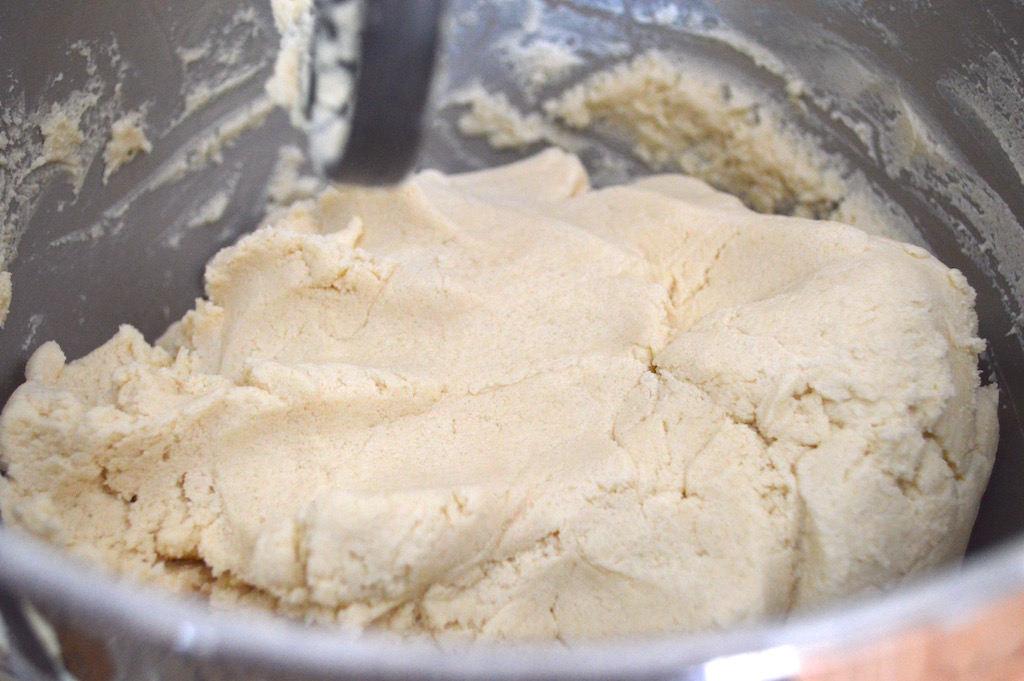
{"points": [[956, 66], [368, 87]]}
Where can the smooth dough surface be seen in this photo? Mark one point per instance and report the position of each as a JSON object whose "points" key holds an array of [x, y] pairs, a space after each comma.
{"points": [[504, 405]]}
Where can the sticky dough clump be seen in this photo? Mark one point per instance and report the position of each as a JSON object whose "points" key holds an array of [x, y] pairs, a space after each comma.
{"points": [[503, 405]]}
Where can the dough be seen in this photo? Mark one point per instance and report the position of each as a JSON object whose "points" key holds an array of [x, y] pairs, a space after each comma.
{"points": [[674, 116], [503, 405], [127, 140], [5, 296]]}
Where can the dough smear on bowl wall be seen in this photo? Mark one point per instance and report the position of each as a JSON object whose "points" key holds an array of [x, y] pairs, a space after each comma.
{"points": [[506, 405]]}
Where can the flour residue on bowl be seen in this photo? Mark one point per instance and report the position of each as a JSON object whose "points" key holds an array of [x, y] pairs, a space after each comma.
{"points": [[53, 144]]}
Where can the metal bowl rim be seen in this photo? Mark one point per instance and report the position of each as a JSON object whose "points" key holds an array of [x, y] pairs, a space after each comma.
{"points": [[44, 575]]}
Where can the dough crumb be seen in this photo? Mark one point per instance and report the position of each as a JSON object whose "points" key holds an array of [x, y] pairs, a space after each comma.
{"points": [[288, 182], [127, 140], [5, 297], [494, 117], [294, 21], [537, 63], [63, 137]]}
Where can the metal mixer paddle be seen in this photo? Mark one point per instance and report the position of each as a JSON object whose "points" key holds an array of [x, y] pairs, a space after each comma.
{"points": [[370, 67]]}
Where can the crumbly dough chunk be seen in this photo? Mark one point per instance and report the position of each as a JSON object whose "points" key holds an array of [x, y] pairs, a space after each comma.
{"points": [[5, 296], [503, 405], [127, 140], [675, 117]]}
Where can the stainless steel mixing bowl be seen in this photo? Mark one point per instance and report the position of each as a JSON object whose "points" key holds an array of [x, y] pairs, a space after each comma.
{"points": [[923, 99]]}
